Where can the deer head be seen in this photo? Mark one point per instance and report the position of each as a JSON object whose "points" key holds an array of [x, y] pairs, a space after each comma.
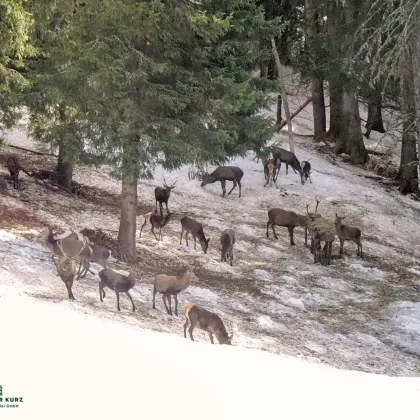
{"points": [[167, 187]]}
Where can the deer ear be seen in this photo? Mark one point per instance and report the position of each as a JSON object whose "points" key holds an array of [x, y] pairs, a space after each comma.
{"points": [[208, 240], [230, 337]]}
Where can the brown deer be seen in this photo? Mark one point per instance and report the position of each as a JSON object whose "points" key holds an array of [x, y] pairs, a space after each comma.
{"points": [[288, 219], [196, 229], [206, 321], [269, 171], [306, 168], [348, 233], [156, 220], [227, 239], [116, 282], [282, 155], [70, 247], [162, 196], [170, 286], [223, 174], [66, 269], [14, 168]]}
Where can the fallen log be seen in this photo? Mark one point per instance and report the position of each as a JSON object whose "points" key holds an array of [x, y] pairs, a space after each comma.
{"points": [[283, 123], [32, 151]]}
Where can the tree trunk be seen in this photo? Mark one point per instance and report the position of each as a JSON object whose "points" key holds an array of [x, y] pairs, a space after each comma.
{"points": [[374, 120], [415, 60], [408, 173], [408, 176], [336, 111], [64, 167], [127, 230], [324, 115], [279, 102], [284, 95], [351, 139], [318, 107], [317, 87]]}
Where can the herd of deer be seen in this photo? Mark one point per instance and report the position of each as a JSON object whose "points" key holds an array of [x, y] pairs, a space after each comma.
{"points": [[67, 250]]}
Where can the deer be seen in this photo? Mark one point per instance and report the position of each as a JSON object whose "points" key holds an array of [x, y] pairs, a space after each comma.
{"points": [[14, 168], [117, 282], [227, 239], [282, 155], [196, 229], [269, 172], [162, 195], [306, 169], [205, 320], [288, 219], [171, 286], [348, 233], [69, 247], [321, 231], [66, 269], [99, 255], [156, 220], [223, 174]]}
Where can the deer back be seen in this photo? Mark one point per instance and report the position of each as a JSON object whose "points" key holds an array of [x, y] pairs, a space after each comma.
{"points": [[227, 239]]}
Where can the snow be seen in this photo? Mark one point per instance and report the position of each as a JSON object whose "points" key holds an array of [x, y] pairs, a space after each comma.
{"points": [[355, 315], [119, 371]]}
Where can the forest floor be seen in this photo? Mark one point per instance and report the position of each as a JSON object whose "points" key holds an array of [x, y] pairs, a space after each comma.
{"points": [[356, 314]]}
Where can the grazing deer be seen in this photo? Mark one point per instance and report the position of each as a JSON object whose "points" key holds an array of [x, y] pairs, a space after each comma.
{"points": [[70, 247], [348, 233], [170, 286], [206, 321], [14, 168], [269, 171], [66, 269], [156, 220], [223, 174], [289, 158], [227, 239], [116, 282], [306, 168], [196, 229], [288, 219], [162, 195]]}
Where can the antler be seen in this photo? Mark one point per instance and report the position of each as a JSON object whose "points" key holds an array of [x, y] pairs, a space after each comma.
{"points": [[164, 182], [173, 185]]}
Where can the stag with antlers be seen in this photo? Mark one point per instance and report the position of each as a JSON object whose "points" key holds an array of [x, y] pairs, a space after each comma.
{"points": [[162, 195]]}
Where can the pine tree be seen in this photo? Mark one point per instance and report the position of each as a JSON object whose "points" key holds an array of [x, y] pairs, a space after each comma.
{"points": [[164, 83]]}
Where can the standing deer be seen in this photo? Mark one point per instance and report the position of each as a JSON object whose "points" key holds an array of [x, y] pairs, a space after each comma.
{"points": [[156, 220], [70, 247], [162, 195], [14, 168], [196, 229], [288, 219], [170, 286], [348, 233], [289, 158], [227, 239], [306, 168], [269, 172], [223, 174], [66, 269], [116, 282], [207, 321]]}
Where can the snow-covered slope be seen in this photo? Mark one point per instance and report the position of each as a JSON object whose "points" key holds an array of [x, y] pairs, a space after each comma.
{"points": [[67, 365]]}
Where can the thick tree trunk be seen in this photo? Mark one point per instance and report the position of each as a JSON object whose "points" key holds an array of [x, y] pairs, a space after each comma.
{"points": [[64, 167], [408, 169], [351, 139], [336, 111], [408, 173], [127, 230], [317, 87], [414, 45], [374, 120]]}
